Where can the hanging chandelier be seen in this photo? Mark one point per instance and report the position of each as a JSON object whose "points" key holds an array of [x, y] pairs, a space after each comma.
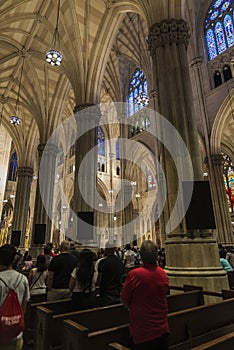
{"points": [[53, 56], [15, 119]]}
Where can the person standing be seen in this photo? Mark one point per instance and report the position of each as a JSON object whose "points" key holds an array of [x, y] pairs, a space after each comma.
{"points": [[145, 294], [73, 251], [38, 276], [60, 269], [129, 259], [110, 274], [83, 281], [11, 279]]}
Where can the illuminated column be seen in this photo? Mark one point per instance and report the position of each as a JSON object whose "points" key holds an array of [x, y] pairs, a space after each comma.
{"points": [[22, 198]]}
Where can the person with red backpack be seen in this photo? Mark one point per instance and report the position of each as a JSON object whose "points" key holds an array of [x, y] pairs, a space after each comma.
{"points": [[14, 293]]}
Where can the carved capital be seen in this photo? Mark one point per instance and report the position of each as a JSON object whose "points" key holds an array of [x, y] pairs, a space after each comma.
{"points": [[168, 32], [87, 112], [217, 159], [109, 3], [24, 172], [196, 62], [48, 148]]}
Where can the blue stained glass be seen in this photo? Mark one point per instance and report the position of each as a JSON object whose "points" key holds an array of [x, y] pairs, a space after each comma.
{"points": [[219, 27], [220, 37], [117, 149], [137, 85], [13, 165], [101, 142], [214, 15], [228, 25], [211, 44], [225, 5], [217, 3]]}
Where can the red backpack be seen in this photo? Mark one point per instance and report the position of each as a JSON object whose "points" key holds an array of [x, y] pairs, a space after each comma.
{"points": [[11, 316]]}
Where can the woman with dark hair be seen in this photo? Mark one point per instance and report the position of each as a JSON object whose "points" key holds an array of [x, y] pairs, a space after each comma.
{"points": [[38, 277], [82, 282]]}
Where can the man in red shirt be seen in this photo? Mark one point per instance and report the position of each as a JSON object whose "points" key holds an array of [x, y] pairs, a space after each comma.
{"points": [[145, 294]]}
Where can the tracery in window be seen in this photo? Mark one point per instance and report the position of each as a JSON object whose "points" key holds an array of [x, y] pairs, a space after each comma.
{"points": [[137, 87], [13, 165], [219, 27], [117, 149], [101, 142], [228, 174]]}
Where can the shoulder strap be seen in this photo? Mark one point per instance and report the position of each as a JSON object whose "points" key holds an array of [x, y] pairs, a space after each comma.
{"points": [[5, 283], [36, 280], [19, 280]]}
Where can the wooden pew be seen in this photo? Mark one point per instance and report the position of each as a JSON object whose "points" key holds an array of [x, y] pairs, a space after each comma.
{"points": [[188, 329], [190, 287], [230, 275], [49, 331], [225, 342], [184, 300], [53, 319], [227, 294], [117, 346], [30, 316], [79, 337], [40, 298]]}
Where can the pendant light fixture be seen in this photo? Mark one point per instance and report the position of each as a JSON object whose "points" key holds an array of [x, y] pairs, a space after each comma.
{"points": [[142, 98], [53, 56], [15, 119]]}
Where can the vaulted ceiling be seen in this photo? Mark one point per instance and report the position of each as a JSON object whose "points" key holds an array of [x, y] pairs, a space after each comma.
{"points": [[97, 39]]}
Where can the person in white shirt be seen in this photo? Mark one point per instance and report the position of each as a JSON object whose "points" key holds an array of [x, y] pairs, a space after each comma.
{"points": [[129, 258], [38, 277], [16, 281]]}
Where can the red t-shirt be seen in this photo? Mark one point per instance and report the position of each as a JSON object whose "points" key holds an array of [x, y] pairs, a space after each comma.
{"points": [[145, 293]]}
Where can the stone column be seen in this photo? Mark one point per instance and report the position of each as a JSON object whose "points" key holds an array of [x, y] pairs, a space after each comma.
{"points": [[45, 189], [87, 119], [222, 216], [191, 258], [22, 198], [214, 165]]}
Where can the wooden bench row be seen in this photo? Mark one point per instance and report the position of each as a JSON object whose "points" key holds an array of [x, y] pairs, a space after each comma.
{"points": [[49, 317], [204, 327], [49, 330]]}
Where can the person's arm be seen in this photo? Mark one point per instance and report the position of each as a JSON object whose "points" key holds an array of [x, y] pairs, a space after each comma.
{"points": [[99, 268], [72, 281], [30, 277], [50, 280], [127, 291], [72, 284]]}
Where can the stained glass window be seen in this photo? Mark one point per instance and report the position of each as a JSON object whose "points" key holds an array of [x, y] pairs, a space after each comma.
{"points": [[138, 92], [151, 183], [228, 25], [219, 27], [228, 174], [13, 165], [211, 44], [117, 150], [101, 142]]}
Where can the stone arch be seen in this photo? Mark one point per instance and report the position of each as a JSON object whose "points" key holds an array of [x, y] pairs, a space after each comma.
{"points": [[222, 120]]}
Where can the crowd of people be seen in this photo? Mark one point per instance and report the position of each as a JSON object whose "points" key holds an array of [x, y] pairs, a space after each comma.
{"points": [[226, 256], [82, 274], [131, 275]]}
